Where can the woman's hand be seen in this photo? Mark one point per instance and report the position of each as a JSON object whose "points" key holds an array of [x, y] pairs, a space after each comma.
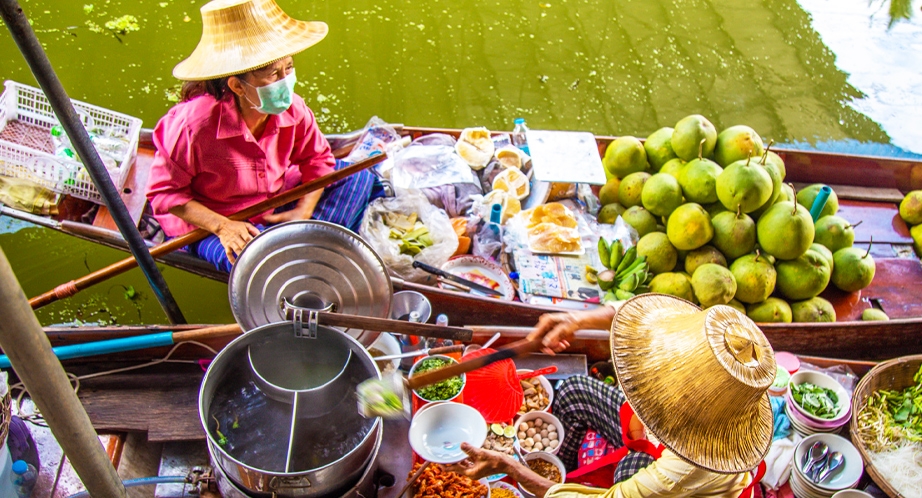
{"points": [[234, 236], [303, 210], [479, 463], [556, 330]]}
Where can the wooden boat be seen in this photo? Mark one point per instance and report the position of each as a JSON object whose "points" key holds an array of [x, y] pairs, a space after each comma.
{"points": [[869, 189]]}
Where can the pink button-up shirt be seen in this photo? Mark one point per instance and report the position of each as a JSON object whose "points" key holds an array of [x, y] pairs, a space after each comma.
{"points": [[206, 153]]}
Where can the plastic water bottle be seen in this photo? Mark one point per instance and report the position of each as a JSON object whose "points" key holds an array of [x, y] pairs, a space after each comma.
{"points": [[23, 477], [518, 135], [442, 321], [62, 146]]}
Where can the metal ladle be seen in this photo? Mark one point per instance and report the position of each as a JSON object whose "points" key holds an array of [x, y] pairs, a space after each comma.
{"points": [[814, 455]]}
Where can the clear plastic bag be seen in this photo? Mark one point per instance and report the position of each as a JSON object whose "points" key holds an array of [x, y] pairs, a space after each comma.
{"points": [[377, 233], [430, 161]]}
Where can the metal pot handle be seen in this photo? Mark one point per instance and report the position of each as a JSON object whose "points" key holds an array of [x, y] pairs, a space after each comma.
{"points": [[296, 314]]}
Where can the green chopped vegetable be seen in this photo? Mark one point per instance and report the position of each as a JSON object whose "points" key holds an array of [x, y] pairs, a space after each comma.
{"points": [[892, 418], [412, 235], [440, 391], [817, 401]]}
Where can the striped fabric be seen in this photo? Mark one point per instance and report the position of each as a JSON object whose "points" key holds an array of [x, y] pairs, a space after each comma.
{"points": [[584, 402], [342, 203]]}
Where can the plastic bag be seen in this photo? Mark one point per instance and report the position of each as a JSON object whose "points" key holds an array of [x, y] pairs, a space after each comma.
{"points": [[488, 241], [430, 161], [377, 233]]}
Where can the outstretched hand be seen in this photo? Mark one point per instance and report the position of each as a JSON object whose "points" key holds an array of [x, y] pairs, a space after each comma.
{"points": [[479, 463], [555, 330]]}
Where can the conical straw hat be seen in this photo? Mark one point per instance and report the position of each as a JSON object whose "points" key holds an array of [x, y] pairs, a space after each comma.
{"points": [[241, 35], [697, 379]]}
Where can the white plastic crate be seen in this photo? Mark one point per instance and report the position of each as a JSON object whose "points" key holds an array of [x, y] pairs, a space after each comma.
{"points": [[26, 149]]}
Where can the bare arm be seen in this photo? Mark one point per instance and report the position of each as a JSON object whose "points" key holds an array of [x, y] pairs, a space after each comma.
{"points": [[304, 210], [482, 463], [556, 330], [234, 235]]}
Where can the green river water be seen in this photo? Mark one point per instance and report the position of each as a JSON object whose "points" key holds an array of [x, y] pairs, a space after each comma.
{"points": [[827, 74]]}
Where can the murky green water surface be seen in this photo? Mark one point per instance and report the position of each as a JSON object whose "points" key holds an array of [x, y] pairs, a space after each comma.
{"points": [[814, 73]]}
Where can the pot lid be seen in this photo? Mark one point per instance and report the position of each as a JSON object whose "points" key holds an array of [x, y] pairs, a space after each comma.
{"points": [[308, 264]]}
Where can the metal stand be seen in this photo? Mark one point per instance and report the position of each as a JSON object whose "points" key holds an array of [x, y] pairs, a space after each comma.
{"points": [[41, 68]]}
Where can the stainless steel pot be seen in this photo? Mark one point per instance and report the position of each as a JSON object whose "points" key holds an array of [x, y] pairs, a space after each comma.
{"points": [[300, 447]]}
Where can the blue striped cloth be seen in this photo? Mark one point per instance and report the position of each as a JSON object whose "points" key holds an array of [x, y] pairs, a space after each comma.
{"points": [[342, 203]]}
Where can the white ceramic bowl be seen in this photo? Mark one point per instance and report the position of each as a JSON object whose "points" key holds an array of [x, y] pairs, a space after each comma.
{"points": [[546, 418], [852, 493], [508, 487], [846, 478], [822, 380], [436, 433], [543, 455], [546, 384], [450, 359], [798, 423]]}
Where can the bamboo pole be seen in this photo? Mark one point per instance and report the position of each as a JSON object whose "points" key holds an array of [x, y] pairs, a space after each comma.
{"points": [[24, 341], [70, 288]]}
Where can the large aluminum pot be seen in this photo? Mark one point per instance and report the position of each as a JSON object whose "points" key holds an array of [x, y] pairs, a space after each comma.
{"points": [[298, 447]]}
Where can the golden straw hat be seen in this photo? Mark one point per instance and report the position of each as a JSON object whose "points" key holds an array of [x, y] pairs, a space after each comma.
{"points": [[242, 35], [697, 379]]}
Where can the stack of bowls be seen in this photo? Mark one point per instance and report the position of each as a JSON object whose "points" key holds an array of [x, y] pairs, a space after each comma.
{"points": [[845, 478], [805, 423]]}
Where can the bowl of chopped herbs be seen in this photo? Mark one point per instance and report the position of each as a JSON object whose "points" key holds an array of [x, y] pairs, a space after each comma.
{"points": [[820, 398], [445, 390]]}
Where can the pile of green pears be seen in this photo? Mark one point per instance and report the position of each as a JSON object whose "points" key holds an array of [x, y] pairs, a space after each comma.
{"points": [[735, 233]]}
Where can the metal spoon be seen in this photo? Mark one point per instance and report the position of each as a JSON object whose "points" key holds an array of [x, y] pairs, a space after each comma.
{"points": [[814, 455], [835, 462]]}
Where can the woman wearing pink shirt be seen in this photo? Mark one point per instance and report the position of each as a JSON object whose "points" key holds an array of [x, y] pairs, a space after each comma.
{"points": [[241, 135]]}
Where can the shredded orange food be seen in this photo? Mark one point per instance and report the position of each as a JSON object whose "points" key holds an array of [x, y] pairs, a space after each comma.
{"points": [[436, 482]]}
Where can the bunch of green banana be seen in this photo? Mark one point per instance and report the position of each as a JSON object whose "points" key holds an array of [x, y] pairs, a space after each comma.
{"points": [[626, 274]]}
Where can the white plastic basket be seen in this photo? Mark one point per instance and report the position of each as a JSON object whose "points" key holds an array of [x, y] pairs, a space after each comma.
{"points": [[26, 150]]}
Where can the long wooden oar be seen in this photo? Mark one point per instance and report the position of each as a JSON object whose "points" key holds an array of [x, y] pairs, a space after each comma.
{"points": [[161, 339], [70, 288]]}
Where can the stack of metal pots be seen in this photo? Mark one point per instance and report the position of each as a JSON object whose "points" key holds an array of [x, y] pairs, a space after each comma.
{"points": [[278, 405]]}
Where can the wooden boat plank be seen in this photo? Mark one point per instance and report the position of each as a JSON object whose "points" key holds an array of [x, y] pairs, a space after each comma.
{"points": [[866, 171], [163, 403], [880, 220], [134, 192], [857, 193]]}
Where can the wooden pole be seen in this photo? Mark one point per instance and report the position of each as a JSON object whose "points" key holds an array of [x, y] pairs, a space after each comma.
{"points": [[41, 68], [24, 341], [70, 288]]}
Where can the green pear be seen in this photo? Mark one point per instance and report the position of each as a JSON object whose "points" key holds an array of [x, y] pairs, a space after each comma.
{"points": [[661, 255], [713, 284], [911, 208], [735, 143], [661, 194], [806, 196], [916, 233], [772, 310], [744, 186], [688, 135], [689, 227], [703, 255], [854, 269], [658, 147], [609, 213], [834, 232], [803, 277], [755, 278], [699, 180], [814, 309], [738, 306], [674, 284], [823, 251], [734, 235], [874, 314], [785, 231], [641, 219], [631, 189], [608, 194], [673, 167], [625, 155]]}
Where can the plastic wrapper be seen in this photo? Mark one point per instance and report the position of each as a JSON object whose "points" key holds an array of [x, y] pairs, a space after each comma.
{"points": [[455, 198], [27, 196], [488, 242], [376, 232], [430, 161]]}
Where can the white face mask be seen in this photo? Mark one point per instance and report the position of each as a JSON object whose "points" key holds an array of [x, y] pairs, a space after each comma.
{"points": [[274, 98]]}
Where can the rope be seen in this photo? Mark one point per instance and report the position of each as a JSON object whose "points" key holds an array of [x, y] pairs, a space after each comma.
{"points": [[66, 290], [36, 418]]}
